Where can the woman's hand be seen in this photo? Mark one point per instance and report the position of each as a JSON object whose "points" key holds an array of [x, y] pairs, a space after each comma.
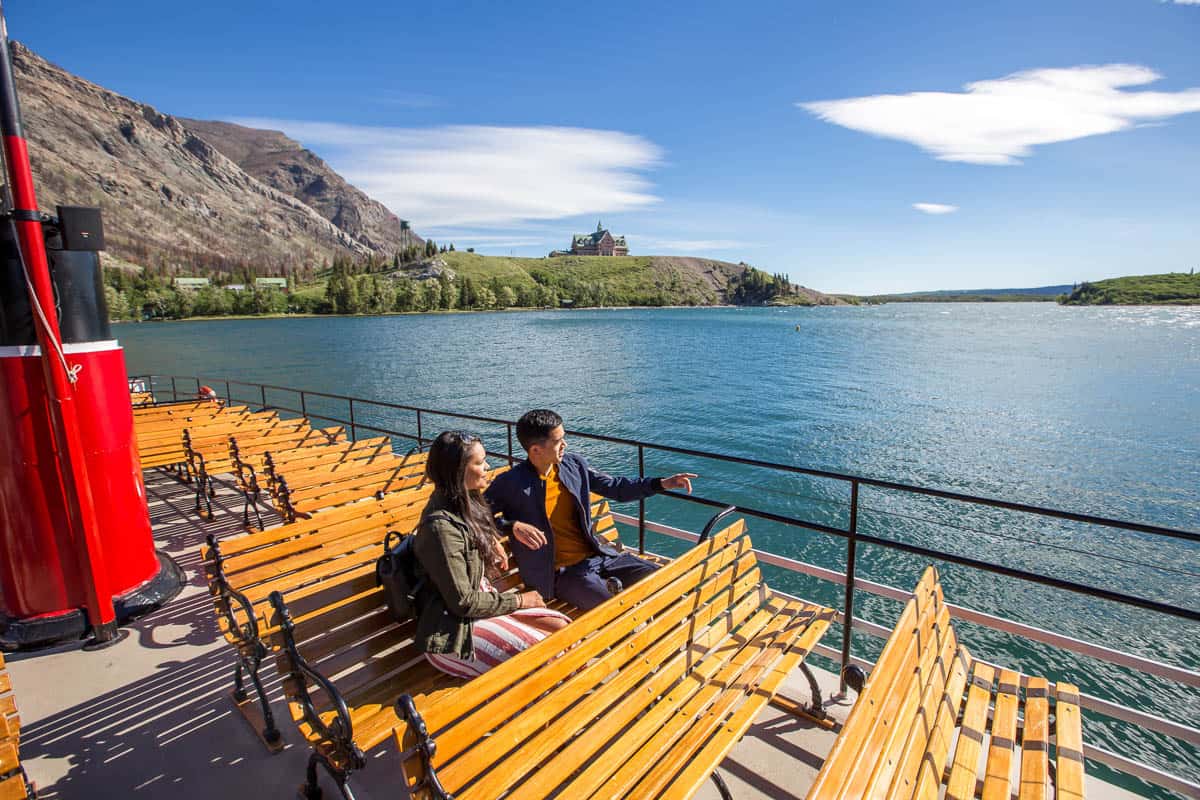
{"points": [[531, 599]]}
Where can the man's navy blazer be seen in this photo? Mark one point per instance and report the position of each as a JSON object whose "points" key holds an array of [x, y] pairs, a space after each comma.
{"points": [[519, 495]]}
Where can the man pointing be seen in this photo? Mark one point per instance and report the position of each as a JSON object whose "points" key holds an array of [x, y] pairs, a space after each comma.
{"points": [[544, 504]]}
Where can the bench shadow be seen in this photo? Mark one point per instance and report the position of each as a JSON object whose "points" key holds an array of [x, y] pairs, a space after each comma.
{"points": [[173, 733]]}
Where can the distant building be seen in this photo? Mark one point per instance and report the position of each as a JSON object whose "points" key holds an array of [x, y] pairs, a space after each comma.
{"points": [[599, 243], [236, 287], [191, 283], [271, 283]]}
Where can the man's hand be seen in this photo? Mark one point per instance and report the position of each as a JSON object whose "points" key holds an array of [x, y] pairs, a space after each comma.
{"points": [[500, 556], [530, 599], [681, 481], [528, 535]]}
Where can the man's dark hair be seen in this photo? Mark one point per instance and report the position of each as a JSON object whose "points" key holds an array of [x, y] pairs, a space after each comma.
{"points": [[534, 426]]}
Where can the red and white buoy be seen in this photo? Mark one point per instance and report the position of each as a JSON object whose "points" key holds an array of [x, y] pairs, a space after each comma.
{"points": [[76, 552]]}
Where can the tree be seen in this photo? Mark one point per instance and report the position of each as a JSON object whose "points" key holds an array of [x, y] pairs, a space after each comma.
{"points": [[450, 295], [485, 298], [118, 306], [507, 297]]}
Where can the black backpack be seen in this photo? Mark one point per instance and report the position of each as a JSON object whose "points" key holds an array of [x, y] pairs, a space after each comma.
{"points": [[396, 572]]}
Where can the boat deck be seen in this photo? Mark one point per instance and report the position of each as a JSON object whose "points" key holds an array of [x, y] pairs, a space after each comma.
{"points": [[151, 716]]}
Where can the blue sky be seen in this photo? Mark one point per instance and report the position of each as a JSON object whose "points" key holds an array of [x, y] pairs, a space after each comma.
{"points": [[816, 139]]}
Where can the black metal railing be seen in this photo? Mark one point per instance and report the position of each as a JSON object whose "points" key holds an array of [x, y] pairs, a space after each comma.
{"points": [[185, 387], [850, 533]]}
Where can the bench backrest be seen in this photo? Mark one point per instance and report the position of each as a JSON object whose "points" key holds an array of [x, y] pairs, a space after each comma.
{"points": [[880, 745], [603, 666]]}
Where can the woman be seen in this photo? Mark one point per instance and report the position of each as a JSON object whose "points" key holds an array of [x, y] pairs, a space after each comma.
{"points": [[466, 626]]}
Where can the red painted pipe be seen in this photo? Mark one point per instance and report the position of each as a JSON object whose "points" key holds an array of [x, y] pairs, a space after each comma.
{"points": [[76, 489]]}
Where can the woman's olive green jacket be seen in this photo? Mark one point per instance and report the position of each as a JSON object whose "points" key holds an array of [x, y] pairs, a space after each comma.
{"points": [[452, 598]]}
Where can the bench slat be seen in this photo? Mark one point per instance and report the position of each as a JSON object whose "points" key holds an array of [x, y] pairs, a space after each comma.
{"points": [[961, 785], [13, 788], [997, 781], [1035, 742], [1068, 743]]}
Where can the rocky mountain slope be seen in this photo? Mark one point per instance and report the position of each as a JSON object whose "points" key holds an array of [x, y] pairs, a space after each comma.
{"points": [[169, 196], [286, 165]]}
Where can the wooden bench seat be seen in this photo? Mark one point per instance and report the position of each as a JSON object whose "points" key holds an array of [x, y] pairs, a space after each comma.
{"points": [[160, 442], [703, 635], [14, 784], [641, 697], [920, 726], [301, 492], [339, 544]]}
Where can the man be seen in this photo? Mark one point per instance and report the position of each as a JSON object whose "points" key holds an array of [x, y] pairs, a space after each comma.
{"points": [[544, 503]]}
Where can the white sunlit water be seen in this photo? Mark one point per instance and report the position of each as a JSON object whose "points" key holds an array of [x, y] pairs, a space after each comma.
{"points": [[1090, 410]]}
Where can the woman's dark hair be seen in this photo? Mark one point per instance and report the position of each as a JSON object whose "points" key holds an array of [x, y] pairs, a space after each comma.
{"points": [[446, 468]]}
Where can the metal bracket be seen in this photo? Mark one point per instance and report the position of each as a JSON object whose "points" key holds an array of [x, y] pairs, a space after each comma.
{"points": [[426, 747], [299, 673], [249, 645]]}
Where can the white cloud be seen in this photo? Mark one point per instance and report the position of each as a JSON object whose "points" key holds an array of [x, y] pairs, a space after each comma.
{"points": [[484, 175], [1187, 2], [999, 121], [935, 208]]}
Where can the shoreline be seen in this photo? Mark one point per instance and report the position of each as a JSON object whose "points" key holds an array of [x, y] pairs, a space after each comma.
{"points": [[622, 308]]}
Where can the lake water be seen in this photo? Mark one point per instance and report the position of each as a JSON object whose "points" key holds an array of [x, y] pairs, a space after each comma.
{"points": [[1091, 410]]}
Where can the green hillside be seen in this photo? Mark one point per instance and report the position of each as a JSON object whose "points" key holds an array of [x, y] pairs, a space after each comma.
{"points": [[1171, 288], [458, 281]]}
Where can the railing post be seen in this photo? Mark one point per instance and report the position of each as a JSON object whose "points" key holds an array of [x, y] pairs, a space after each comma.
{"points": [[303, 404], [509, 426], [851, 551], [642, 502], [353, 427], [174, 392], [229, 395], [420, 438], [262, 391]]}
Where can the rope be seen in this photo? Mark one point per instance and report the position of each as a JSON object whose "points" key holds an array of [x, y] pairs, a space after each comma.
{"points": [[72, 371]]}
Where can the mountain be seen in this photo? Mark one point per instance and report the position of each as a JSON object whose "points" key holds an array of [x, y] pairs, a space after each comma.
{"points": [[1171, 288], [1037, 293], [286, 165], [169, 196]]}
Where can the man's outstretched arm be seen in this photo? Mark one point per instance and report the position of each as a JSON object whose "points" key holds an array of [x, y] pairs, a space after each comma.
{"points": [[625, 489]]}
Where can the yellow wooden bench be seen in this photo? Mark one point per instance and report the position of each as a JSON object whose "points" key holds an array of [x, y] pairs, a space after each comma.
{"points": [[340, 627], [641, 697], [341, 543], [14, 785], [164, 444], [921, 722], [301, 492]]}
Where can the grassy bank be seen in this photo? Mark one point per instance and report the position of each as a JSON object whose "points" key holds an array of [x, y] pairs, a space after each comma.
{"points": [[1171, 288]]}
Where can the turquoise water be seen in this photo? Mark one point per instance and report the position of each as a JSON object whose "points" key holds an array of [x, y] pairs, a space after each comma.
{"points": [[1092, 410]]}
